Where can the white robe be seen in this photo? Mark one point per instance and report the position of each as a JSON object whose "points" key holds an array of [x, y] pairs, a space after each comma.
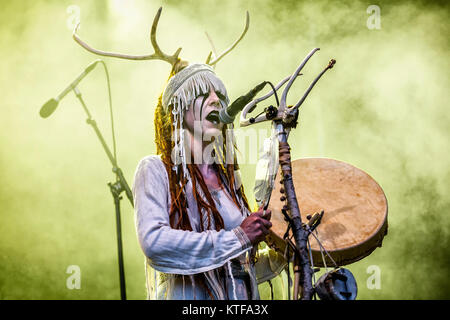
{"points": [[173, 256]]}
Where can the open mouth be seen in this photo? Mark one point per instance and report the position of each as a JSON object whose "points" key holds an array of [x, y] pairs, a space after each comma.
{"points": [[213, 117]]}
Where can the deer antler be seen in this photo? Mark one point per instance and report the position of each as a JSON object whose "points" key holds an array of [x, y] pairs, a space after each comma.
{"points": [[213, 49], [217, 59], [177, 63]]}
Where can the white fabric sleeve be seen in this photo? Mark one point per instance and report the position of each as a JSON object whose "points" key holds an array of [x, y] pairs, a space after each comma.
{"points": [[176, 251]]}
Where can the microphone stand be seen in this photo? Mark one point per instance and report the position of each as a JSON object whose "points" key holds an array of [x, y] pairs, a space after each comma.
{"points": [[284, 119], [116, 189]]}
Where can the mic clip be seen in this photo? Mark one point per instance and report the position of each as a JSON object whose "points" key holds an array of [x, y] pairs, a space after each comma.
{"points": [[271, 112]]}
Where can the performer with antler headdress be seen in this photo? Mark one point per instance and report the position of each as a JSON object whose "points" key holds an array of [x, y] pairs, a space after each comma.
{"points": [[192, 217], [193, 220]]}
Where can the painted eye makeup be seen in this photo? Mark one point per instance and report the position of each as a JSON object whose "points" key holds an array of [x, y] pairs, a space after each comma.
{"points": [[204, 96], [220, 96]]}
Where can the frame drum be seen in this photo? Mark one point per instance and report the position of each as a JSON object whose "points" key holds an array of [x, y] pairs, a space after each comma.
{"points": [[355, 210]]}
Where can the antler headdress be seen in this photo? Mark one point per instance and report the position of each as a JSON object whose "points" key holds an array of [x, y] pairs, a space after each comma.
{"points": [[174, 60], [187, 83]]}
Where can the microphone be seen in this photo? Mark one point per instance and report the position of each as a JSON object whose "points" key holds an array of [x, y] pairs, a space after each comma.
{"points": [[50, 106], [227, 115]]}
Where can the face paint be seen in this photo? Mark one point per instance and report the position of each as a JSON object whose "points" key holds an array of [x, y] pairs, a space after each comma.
{"points": [[203, 102]]}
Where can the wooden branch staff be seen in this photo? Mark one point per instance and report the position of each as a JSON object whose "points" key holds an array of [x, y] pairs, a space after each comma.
{"points": [[300, 234]]}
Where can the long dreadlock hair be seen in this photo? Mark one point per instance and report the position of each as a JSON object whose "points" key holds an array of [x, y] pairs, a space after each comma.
{"points": [[178, 216]]}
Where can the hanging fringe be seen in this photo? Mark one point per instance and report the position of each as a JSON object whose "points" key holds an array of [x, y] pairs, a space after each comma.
{"points": [[194, 291], [213, 281], [230, 272], [184, 297], [197, 84]]}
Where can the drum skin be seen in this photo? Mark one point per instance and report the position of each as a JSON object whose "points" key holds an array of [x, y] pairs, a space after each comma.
{"points": [[355, 209]]}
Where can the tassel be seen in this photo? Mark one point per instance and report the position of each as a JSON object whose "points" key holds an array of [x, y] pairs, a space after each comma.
{"points": [[232, 279], [212, 279], [184, 297], [193, 286]]}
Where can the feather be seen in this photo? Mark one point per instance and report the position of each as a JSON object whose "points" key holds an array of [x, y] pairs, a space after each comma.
{"points": [[266, 170]]}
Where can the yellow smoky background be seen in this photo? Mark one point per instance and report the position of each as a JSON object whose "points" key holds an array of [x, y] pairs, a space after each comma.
{"points": [[382, 108]]}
